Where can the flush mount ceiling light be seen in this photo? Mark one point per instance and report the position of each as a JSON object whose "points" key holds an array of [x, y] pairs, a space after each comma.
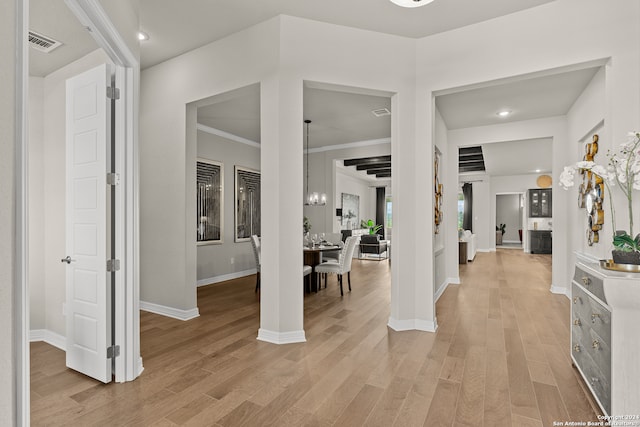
{"points": [[503, 113], [142, 36], [411, 3]]}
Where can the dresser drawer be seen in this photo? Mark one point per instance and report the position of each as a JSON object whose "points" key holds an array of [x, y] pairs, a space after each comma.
{"points": [[599, 381], [590, 282]]}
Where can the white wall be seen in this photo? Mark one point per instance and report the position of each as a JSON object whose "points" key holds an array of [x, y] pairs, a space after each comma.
{"points": [[445, 249], [352, 185], [37, 277], [468, 56], [8, 134], [168, 155], [214, 260], [508, 212], [47, 193], [586, 117]]}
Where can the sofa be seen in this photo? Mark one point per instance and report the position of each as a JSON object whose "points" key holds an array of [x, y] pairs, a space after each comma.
{"points": [[371, 244], [470, 238]]}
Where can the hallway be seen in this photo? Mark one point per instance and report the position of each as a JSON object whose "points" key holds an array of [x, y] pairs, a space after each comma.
{"points": [[499, 358]]}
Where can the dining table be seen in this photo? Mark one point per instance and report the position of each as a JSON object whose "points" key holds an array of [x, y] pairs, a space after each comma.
{"points": [[313, 257]]}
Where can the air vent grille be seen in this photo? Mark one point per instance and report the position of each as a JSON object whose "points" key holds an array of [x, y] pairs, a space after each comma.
{"points": [[42, 43], [380, 112]]}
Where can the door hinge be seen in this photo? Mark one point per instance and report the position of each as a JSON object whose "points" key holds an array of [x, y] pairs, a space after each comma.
{"points": [[113, 179], [113, 351], [113, 265], [113, 92]]}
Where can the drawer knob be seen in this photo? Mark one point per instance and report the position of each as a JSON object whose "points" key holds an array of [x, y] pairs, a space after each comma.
{"points": [[595, 344], [577, 322], [586, 280], [594, 316], [576, 348]]}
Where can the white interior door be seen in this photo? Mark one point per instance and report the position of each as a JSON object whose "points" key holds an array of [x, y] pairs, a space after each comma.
{"points": [[88, 287]]}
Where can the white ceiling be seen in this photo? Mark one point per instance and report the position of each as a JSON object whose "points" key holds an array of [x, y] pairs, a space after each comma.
{"points": [[53, 18], [534, 98], [338, 117], [518, 157], [175, 27]]}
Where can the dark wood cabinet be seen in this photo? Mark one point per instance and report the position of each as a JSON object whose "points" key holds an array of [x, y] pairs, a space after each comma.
{"points": [[540, 242], [540, 203]]}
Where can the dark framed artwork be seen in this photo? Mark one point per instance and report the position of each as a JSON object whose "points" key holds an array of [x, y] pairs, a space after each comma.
{"points": [[247, 199], [350, 211], [209, 202]]}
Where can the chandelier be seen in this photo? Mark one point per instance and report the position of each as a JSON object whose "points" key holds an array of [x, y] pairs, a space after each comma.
{"points": [[312, 199]]}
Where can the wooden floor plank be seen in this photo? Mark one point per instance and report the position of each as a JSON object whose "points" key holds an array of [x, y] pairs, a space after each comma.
{"points": [[493, 361]]}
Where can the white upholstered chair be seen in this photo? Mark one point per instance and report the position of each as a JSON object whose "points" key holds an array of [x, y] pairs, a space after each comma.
{"points": [[255, 243], [336, 239], [342, 266]]}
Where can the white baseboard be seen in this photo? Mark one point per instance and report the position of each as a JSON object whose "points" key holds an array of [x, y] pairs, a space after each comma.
{"points": [[281, 337], [49, 337], [486, 250], [413, 325], [559, 290], [225, 277], [139, 368], [441, 289], [175, 313], [454, 280]]}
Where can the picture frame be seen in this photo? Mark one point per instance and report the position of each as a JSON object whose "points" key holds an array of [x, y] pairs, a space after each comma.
{"points": [[350, 211], [209, 202], [247, 203]]}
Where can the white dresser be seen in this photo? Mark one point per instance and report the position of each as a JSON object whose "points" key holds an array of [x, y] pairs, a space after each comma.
{"points": [[605, 335]]}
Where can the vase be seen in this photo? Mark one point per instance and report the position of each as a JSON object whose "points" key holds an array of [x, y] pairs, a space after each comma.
{"points": [[624, 257]]}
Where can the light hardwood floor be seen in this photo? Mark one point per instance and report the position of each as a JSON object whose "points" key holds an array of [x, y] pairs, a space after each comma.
{"points": [[500, 357]]}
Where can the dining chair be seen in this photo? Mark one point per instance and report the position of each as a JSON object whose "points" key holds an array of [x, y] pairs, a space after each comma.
{"points": [[343, 266], [306, 273], [335, 239], [255, 243]]}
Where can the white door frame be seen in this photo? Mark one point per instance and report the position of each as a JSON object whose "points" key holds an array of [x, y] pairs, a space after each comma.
{"points": [[129, 364], [127, 316]]}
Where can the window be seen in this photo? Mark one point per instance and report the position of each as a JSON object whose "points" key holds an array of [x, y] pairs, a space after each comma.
{"points": [[460, 210], [388, 211]]}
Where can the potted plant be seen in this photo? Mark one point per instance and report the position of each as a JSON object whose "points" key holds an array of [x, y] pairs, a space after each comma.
{"points": [[372, 226], [623, 171], [500, 230]]}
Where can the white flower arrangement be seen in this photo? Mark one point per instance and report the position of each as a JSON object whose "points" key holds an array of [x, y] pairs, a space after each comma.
{"points": [[623, 171]]}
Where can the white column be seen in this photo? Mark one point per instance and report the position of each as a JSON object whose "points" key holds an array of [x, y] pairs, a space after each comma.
{"points": [[281, 299], [412, 275]]}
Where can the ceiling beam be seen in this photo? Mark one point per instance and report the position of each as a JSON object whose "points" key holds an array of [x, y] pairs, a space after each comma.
{"points": [[373, 166], [377, 171], [384, 175], [367, 160]]}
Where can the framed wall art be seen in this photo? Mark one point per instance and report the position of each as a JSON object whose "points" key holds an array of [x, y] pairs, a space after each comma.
{"points": [[247, 199], [350, 211], [209, 202]]}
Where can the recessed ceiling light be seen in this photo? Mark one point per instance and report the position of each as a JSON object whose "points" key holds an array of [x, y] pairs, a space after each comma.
{"points": [[538, 170], [503, 113], [411, 3], [143, 36]]}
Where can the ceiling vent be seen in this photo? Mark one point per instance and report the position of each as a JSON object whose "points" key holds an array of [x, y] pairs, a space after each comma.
{"points": [[380, 112], [42, 43]]}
